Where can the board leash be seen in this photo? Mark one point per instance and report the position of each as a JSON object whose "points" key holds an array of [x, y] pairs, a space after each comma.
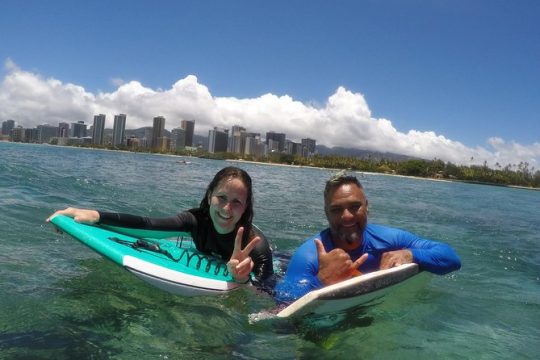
{"points": [[145, 244]]}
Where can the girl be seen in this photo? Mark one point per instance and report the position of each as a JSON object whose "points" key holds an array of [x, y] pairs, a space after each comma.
{"points": [[220, 226]]}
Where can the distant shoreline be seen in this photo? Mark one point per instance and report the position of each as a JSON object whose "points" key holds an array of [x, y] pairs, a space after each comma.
{"points": [[297, 166], [383, 174]]}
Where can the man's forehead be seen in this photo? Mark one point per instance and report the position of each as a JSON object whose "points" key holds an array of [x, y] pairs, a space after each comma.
{"points": [[346, 192]]}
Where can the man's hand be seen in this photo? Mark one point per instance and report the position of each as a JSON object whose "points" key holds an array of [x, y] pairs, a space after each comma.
{"points": [[395, 258], [240, 264], [336, 265]]}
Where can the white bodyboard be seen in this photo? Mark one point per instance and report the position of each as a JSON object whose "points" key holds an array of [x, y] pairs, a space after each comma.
{"points": [[349, 293]]}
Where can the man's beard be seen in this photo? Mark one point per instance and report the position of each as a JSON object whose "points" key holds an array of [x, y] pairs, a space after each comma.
{"points": [[350, 237]]}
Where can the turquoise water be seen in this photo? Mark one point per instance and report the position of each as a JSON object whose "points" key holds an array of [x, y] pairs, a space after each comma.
{"points": [[61, 301]]}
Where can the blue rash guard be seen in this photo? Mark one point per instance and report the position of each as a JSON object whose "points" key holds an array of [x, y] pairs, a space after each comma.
{"points": [[301, 276]]}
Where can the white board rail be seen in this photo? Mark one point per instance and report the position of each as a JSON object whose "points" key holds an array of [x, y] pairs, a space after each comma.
{"points": [[348, 293]]}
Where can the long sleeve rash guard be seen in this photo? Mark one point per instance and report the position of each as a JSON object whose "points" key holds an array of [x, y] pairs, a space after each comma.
{"points": [[301, 276], [205, 237]]}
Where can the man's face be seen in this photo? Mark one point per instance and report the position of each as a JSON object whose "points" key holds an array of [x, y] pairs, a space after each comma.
{"points": [[346, 210]]}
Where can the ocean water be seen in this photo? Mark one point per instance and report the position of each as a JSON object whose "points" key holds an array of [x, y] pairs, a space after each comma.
{"points": [[59, 300]]}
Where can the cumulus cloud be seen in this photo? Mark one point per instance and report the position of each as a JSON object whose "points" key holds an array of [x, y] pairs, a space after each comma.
{"points": [[10, 65], [117, 81], [344, 120]]}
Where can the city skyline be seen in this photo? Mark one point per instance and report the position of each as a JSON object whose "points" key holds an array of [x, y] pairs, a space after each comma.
{"points": [[237, 140], [454, 80], [188, 123]]}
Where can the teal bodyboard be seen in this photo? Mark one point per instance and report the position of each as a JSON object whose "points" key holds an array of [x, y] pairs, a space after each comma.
{"points": [[119, 245]]}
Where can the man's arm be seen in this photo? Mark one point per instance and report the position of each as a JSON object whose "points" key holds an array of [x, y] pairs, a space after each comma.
{"points": [[435, 257], [301, 276]]}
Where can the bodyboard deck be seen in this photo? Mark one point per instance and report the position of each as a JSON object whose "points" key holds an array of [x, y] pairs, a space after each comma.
{"points": [[349, 293], [175, 268]]}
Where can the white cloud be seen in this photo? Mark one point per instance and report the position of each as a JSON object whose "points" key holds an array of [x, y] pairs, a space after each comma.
{"points": [[117, 81], [345, 119], [513, 153], [32, 100], [10, 65]]}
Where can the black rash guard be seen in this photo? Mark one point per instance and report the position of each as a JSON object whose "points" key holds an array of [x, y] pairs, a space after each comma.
{"points": [[206, 238]]}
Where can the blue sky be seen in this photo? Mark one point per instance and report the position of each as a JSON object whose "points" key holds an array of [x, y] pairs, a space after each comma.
{"points": [[461, 71]]}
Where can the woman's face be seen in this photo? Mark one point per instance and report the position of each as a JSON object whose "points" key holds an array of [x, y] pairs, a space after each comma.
{"points": [[227, 204]]}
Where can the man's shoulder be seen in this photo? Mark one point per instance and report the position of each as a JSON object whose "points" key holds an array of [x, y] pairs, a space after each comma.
{"points": [[308, 244], [377, 232], [310, 240], [323, 235], [378, 228]]}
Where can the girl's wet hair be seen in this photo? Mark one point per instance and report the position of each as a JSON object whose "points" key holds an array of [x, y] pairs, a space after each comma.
{"points": [[236, 173]]}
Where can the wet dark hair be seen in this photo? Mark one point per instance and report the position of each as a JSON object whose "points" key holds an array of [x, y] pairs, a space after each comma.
{"points": [[336, 181], [247, 216]]}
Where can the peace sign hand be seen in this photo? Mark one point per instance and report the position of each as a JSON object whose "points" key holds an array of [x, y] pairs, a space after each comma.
{"points": [[240, 264], [336, 265]]}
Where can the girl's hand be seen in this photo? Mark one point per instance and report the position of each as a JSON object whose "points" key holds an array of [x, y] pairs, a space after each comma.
{"points": [[240, 264], [79, 215]]}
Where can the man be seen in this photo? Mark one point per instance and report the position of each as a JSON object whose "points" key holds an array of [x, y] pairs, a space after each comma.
{"points": [[350, 245]]}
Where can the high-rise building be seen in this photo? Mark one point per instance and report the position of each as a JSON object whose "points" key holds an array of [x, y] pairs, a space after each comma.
{"points": [[7, 126], [254, 146], [17, 134], [310, 145], [293, 148], [163, 143], [288, 147], [31, 135], [63, 130], [218, 140], [119, 130], [46, 133], [278, 139], [178, 140], [158, 131], [237, 139], [98, 129], [250, 146], [189, 127], [146, 141], [78, 129]]}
